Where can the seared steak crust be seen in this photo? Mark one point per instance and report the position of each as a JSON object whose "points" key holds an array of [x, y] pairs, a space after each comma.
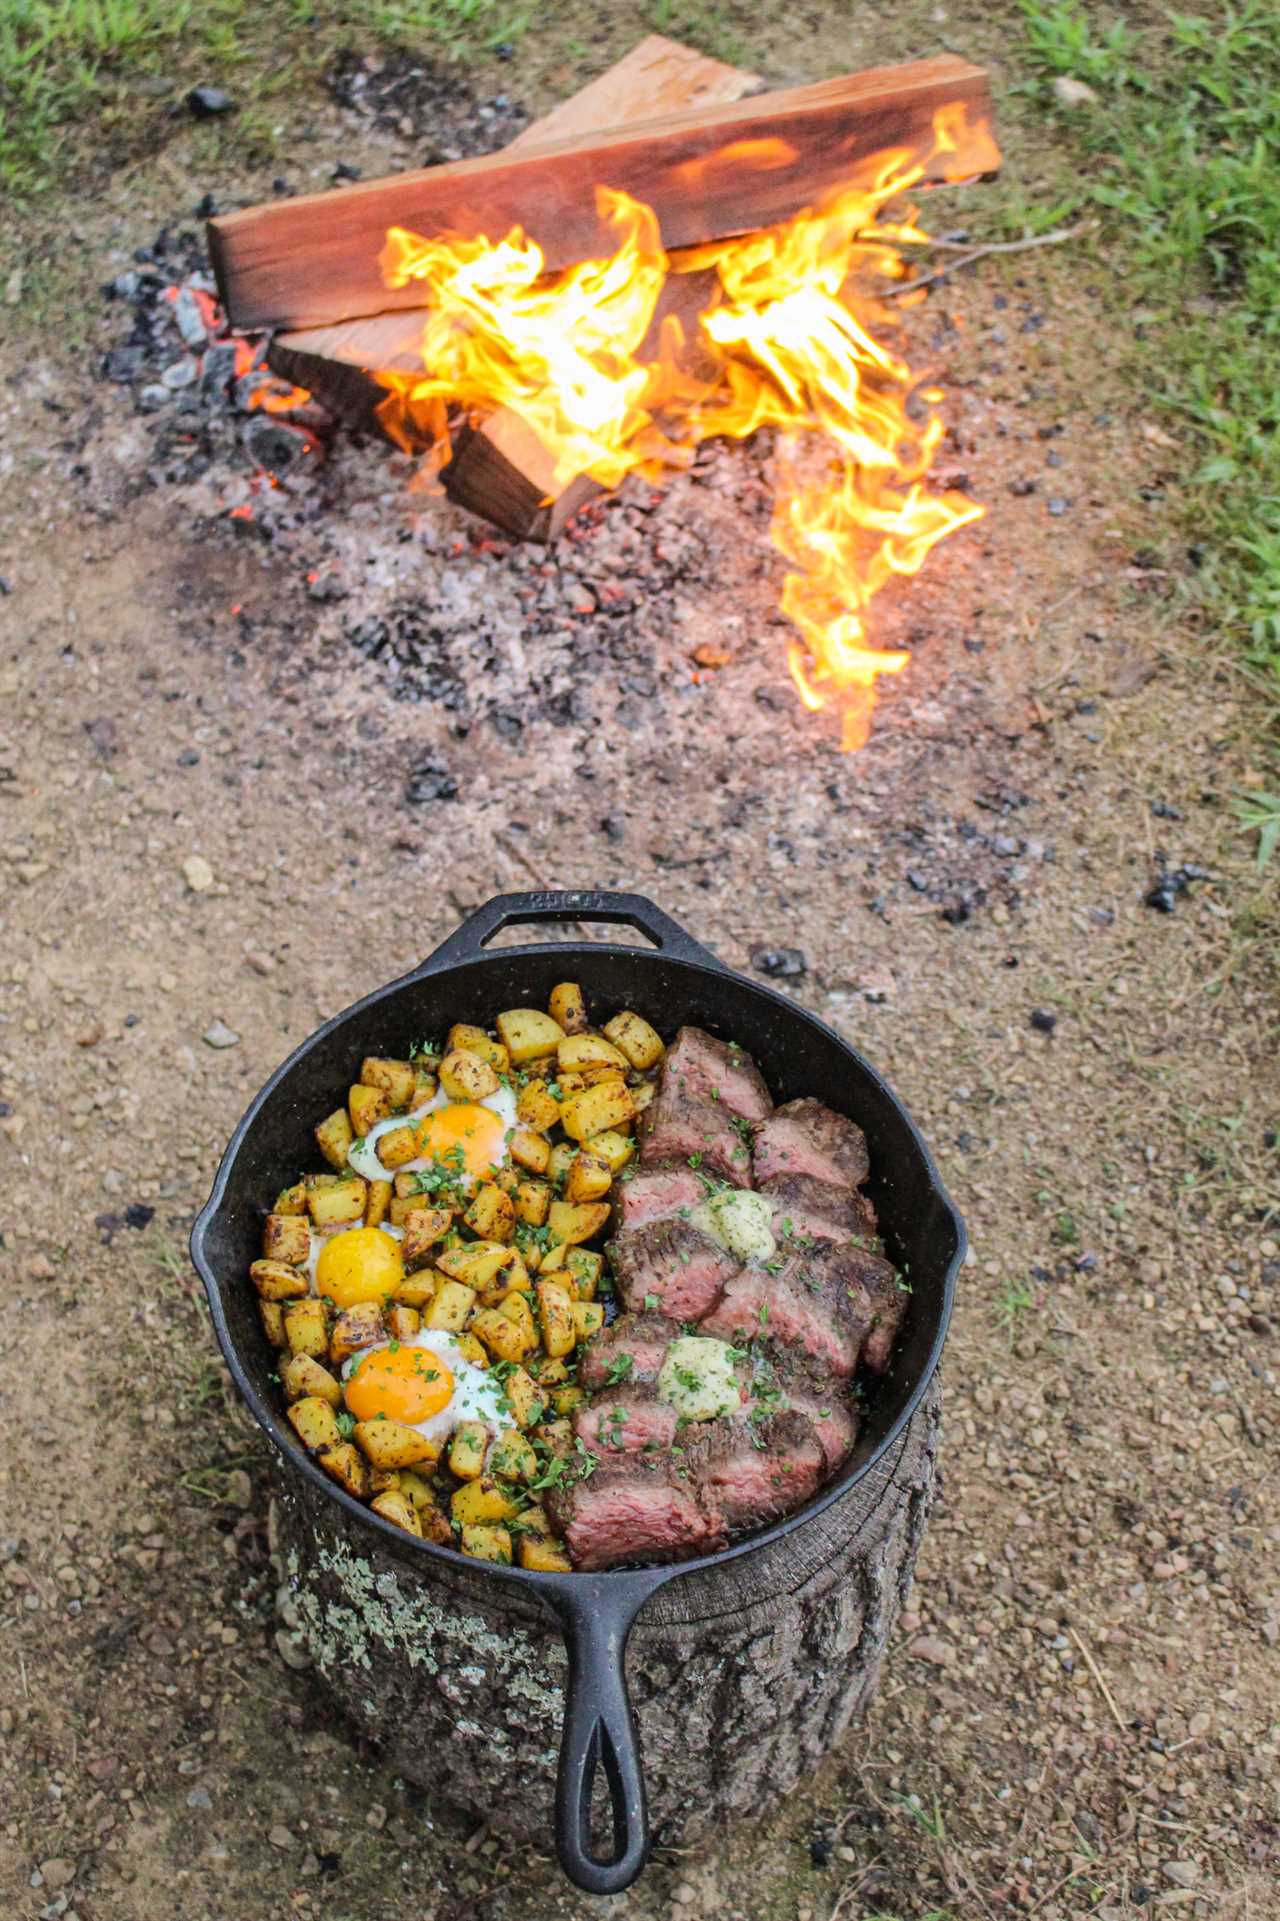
{"points": [[708, 1097], [817, 1301], [806, 1209], [671, 1265], [753, 1471], [804, 1137], [655, 1194], [717, 1071], [641, 1339]]}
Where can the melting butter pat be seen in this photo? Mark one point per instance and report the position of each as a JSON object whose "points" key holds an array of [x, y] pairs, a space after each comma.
{"points": [[738, 1222], [697, 1378]]}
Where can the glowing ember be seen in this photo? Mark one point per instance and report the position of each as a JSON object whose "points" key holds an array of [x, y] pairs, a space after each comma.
{"points": [[791, 335]]}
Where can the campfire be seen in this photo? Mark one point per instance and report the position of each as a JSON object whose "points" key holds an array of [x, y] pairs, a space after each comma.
{"points": [[543, 360]]}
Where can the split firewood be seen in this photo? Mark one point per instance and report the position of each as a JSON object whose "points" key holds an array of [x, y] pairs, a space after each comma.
{"points": [[499, 468], [708, 173]]}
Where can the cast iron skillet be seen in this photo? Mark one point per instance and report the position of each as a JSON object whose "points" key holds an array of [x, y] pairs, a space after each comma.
{"points": [[678, 983]]}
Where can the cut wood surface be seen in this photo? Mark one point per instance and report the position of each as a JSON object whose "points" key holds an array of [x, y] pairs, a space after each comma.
{"points": [[338, 363], [502, 471], [708, 172]]}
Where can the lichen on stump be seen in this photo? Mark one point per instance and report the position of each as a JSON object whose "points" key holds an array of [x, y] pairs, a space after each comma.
{"points": [[743, 1677]]}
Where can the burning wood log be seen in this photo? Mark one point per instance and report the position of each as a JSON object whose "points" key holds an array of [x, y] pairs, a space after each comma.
{"points": [[499, 468], [708, 173]]}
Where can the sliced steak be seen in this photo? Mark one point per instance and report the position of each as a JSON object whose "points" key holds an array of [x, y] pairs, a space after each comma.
{"points": [[804, 1137], [636, 1509], [655, 1194], [889, 1304], [753, 1471], [634, 1423], [817, 1301], [717, 1071], [782, 1376], [680, 1126], [806, 1209], [641, 1339], [670, 1265]]}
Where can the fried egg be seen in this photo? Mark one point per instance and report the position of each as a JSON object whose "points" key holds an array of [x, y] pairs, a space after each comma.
{"points": [[426, 1383], [466, 1140], [356, 1263]]}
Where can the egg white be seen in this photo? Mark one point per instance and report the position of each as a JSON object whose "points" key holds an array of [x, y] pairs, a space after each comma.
{"points": [[476, 1395], [363, 1157], [320, 1241]]}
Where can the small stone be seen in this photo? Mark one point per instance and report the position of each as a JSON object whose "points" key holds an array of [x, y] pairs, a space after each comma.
{"points": [[203, 103], [1058, 506], [1043, 1021], [1181, 1873], [280, 1837], [430, 781], [183, 373], [274, 444], [152, 398], [260, 963], [239, 1488], [1071, 93], [190, 320], [199, 1798], [935, 1652], [218, 1034], [291, 1651], [197, 873], [780, 963], [13, 287], [377, 1816], [58, 1873]]}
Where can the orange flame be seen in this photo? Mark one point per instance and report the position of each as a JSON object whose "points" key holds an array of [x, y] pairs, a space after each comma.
{"points": [[791, 336]]}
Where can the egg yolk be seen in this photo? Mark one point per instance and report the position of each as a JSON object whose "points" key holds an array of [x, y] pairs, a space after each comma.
{"points": [[403, 1383], [361, 1265], [465, 1139]]}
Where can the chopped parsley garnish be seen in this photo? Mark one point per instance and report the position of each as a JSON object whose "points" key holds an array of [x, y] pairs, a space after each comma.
{"points": [[619, 1369]]}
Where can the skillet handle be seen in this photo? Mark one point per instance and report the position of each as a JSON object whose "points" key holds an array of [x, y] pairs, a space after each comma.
{"points": [[600, 1732], [505, 910]]}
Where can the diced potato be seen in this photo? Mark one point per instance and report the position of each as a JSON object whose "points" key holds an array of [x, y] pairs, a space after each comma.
{"points": [[555, 1309], [586, 1266], [366, 1106], [552, 1258], [396, 1079], [286, 1238], [565, 1399], [515, 1305], [538, 1107], [562, 1157], [589, 1178], [511, 1458], [403, 1322], [348, 1467], [528, 1034], [401, 1207], [306, 1327], [491, 1214], [423, 1227], [474, 1040], [557, 1435], [381, 1479], [574, 1221], [271, 1314], [482, 1501], [588, 1319], [450, 1308], [567, 1007], [642, 1095], [516, 1274], [465, 1077], [394, 1506], [615, 1149], [415, 1487], [532, 1201], [487, 1544], [476, 1263], [542, 1553], [339, 1205], [391, 1444], [505, 1339], [415, 1290], [577, 1052], [472, 1349], [291, 1200], [632, 1034], [596, 1109], [276, 1282], [302, 1375], [572, 1082], [397, 1147], [424, 1087], [527, 1403], [549, 1373], [375, 1211], [314, 1422], [357, 1327], [334, 1136], [467, 1450], [561, 1277], [530, 1150]]}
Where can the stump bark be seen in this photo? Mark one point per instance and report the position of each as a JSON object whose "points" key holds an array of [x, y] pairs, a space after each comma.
{"points": [[743, 1676]]}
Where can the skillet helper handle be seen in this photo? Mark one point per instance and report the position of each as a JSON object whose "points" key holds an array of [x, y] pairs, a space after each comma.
{"points": [[507, 910], [600, 1732]]}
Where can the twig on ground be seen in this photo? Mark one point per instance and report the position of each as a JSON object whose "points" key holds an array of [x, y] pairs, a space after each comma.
{"points": [[1054, 239], [1096, 1672]]}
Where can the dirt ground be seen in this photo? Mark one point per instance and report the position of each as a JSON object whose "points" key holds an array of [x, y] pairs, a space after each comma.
{"points": [[1082, 1714]]}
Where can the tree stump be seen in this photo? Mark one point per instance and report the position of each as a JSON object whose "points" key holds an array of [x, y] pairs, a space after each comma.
{"points": [[743, 1677]]}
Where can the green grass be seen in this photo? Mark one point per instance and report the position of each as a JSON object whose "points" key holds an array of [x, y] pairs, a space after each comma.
{"points": [[118, 68], [1182, 163]]}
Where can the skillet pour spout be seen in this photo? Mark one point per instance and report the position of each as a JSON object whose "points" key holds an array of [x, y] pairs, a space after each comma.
{"points": [[673, 981]]}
